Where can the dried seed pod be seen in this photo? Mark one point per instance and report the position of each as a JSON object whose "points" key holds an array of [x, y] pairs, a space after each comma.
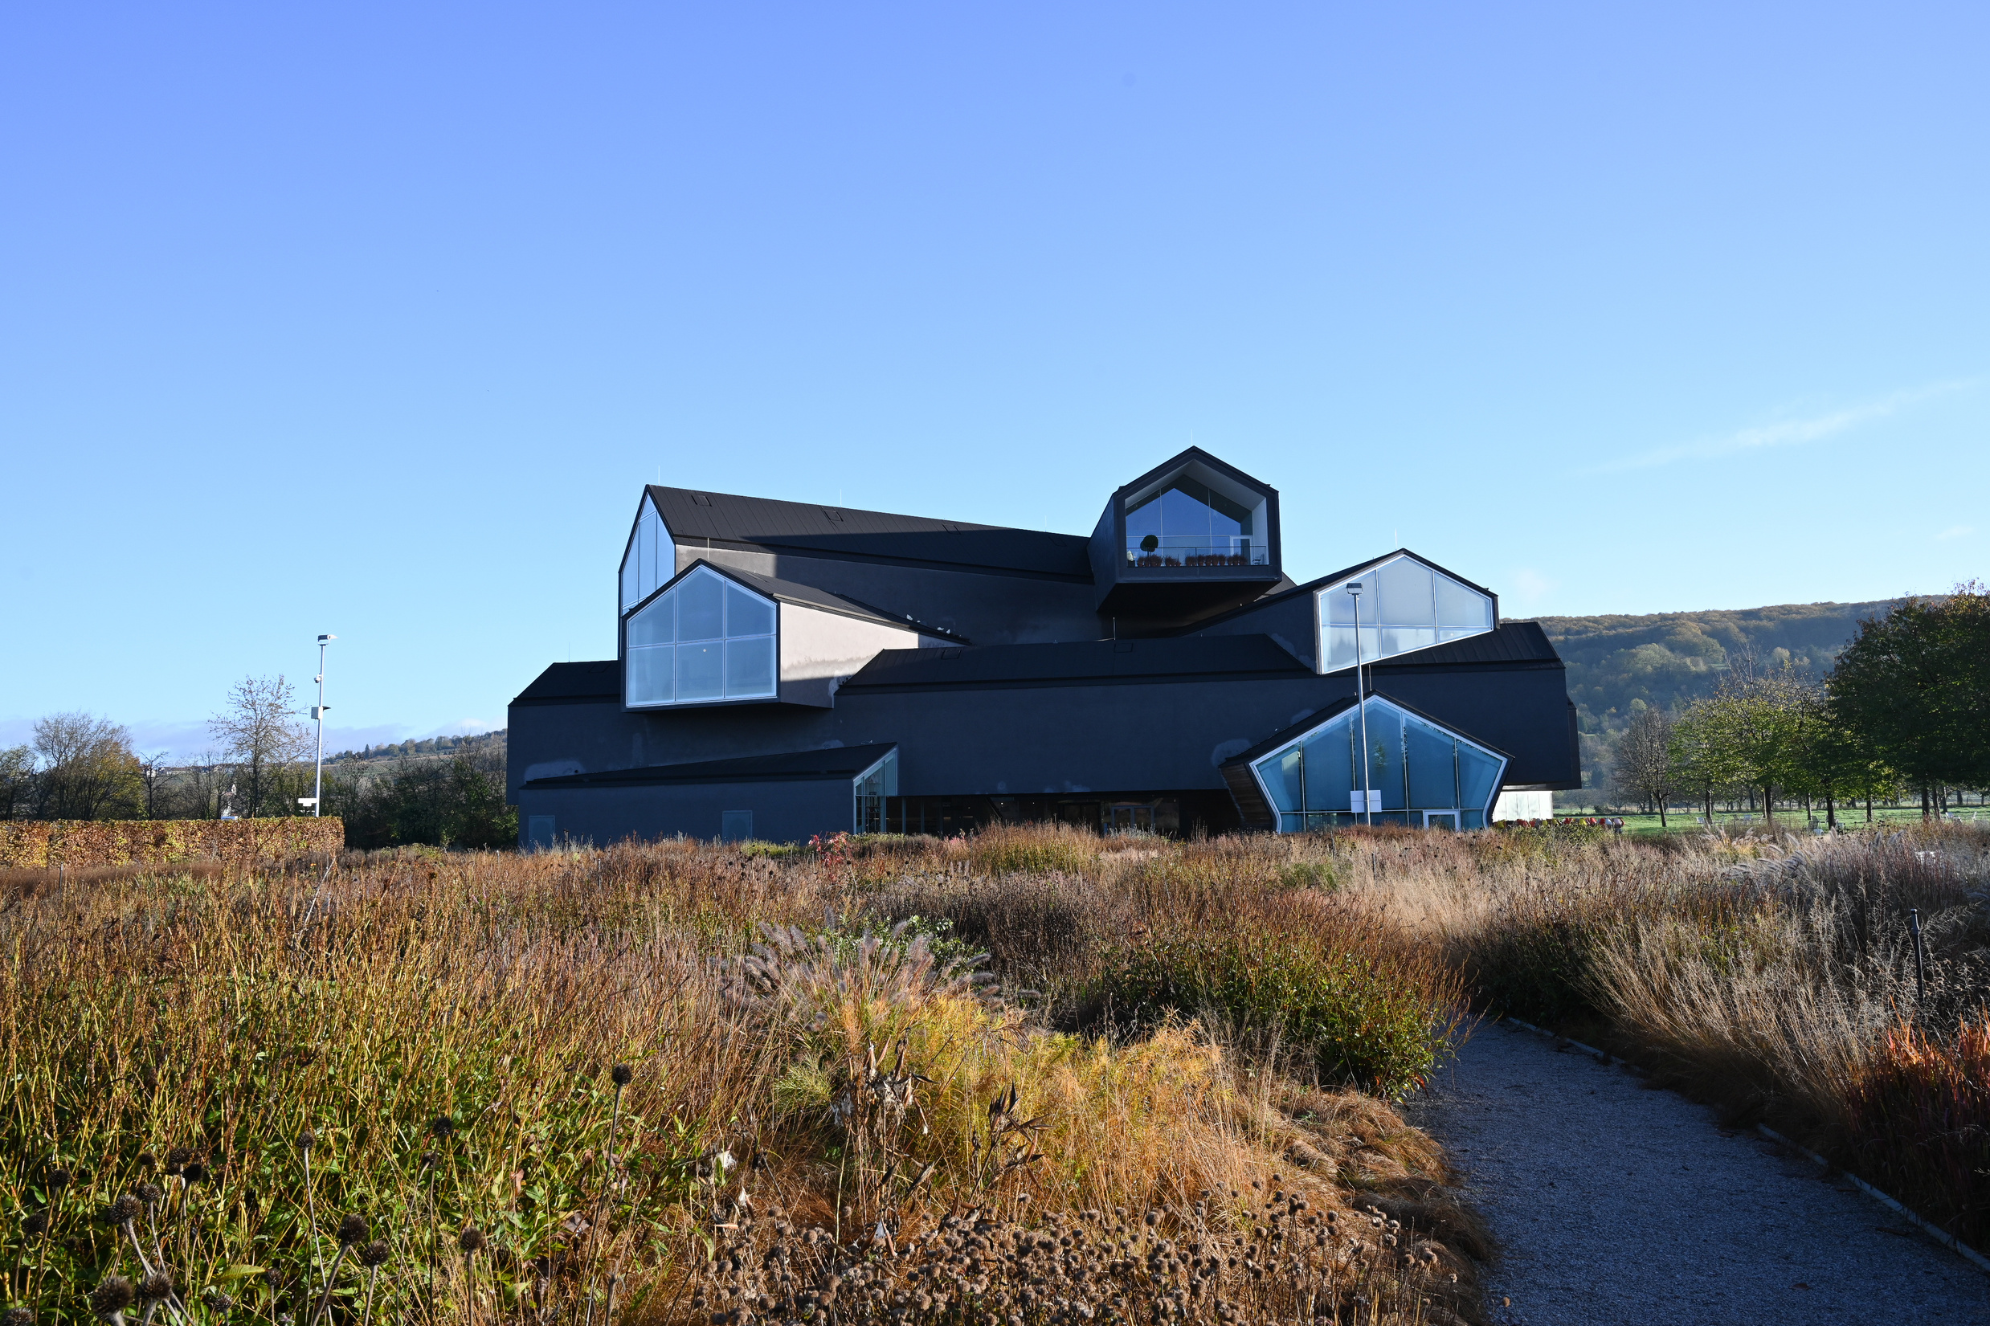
{"points": [[352, 1230], [35, 1225], [442, 1126], [149, 1193], [178, 1159], [125, 1210], [111, 1297], [57, 1177], [156, 1286], [622, 1074], [307, 1140], [470, 1240], [375, 1253]]}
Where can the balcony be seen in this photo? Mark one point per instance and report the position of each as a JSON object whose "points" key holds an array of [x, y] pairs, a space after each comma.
{"points": [[1151, 554]]}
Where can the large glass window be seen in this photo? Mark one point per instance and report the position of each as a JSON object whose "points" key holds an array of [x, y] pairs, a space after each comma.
{"points": [[1189, 523], [1404, 606], [651, 559], [1426, 774], [871, 788], [708, 639]]}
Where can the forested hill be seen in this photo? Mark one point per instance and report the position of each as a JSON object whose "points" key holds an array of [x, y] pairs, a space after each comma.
{"points": [[1668, 658]]}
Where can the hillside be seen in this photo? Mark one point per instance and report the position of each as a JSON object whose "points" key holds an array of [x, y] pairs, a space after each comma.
{"points": [[432, 746], [1669, 658]]}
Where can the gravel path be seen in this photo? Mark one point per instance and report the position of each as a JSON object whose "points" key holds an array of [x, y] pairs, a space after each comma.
{"points": [[1618, 1204]]}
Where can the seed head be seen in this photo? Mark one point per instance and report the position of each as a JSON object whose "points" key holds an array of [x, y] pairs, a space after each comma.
{"points": [[195, 1172], [178, 1159], [470, 1239], [112, 1296], [57, 1177], [442, 1126], [155, 1286], [306, 1140], [149, 1193], [126, 1209], [217, 1300], [36, 1224], [352, 1230], [428, 1159], [375, 1253], [623, 1074]]}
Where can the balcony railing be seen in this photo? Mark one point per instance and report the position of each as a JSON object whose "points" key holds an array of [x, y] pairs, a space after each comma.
{"points": [[1239, 554]]}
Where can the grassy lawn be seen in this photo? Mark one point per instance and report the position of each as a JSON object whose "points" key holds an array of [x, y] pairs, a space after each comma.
{"points": [[1786, 820]]}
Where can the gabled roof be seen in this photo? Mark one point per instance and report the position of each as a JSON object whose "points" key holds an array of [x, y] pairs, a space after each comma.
{"points": [[1511, 642], [807, 596], [1090, 662], [1321, 582], [1195, 455], [832, 531], [1326, 714], [785, 767], [574, 683]]}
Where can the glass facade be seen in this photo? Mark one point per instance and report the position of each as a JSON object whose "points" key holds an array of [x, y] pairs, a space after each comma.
{"points": [[1426, 775], [650, 561], [1190, 524], [708, 639], [1405, 606], [871, 788]]}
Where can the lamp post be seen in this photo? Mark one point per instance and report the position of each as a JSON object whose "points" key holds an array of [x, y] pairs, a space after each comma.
{"points": [[318, 712], [1360, 703]]}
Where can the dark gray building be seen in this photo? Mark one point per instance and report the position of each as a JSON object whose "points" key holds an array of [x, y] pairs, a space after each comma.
{"points": [[787, 670]]}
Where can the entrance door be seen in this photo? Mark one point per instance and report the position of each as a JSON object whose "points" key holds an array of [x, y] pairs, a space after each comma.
{"points": [[1440, 819]]}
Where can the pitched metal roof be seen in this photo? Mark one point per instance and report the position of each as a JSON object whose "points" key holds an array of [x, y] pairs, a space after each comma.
{"points": [[832, 531], [1510, 642], [785, 767], [574, 683], [1211, 658], [808, 596], [1286, 589]]}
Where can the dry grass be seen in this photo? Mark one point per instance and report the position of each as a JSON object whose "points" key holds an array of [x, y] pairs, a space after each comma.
{"points": [[1774, 976], [425, 1042]]}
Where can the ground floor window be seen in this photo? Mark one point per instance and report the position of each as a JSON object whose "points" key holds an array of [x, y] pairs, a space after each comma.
{"points": [[1420, 774], [873, 788]]}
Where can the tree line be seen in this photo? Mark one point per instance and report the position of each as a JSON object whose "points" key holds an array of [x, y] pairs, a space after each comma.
{"points": [[1905, 707], [81, 767]]}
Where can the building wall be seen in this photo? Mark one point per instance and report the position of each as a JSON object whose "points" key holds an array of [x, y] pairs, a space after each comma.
{"points": [[820, 648], [783, 811]]}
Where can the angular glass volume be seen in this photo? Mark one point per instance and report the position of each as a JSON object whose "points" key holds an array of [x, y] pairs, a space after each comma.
{"points": [[707, 639], [1404, 606], [651, 559], [1190, 524], [870, 789], [1426, 774]]}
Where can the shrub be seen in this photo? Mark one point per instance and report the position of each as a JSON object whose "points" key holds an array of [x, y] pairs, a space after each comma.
{"points": [[1032, 849], [1919, 1122], [1358, 1019]]}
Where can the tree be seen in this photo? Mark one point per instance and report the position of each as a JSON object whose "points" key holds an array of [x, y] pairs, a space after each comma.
{"points": [[88, 770], [1644, 765], [1915, 687], [259, 734], [1707, 750], [17, 780]]}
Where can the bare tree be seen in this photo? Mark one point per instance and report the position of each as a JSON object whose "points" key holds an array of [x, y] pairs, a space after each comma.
{"points": [[88, 769], [260, 734], [1644, 764]]}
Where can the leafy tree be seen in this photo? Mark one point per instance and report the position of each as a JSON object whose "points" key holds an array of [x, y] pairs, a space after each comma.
{"points": [[1644, 765], [259, 733], [1914, 686], [449, 801], [17, 780], [87, 769]]}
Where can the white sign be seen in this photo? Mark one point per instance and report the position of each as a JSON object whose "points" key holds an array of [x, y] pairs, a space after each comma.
{"points": [[1374, 800]]}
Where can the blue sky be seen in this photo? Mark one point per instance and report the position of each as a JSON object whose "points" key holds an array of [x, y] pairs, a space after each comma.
{"points": [[372, 319]]}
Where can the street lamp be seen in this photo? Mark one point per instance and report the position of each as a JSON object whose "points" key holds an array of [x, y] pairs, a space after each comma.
{"points": [[318, 713], [1367, 807]]}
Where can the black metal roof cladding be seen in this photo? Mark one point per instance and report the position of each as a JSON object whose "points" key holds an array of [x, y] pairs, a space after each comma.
{"points": [[830, 531], [567, 683], [788, 766], [1509, 642], [808, 596], [1216, 658], [1287, 589]]}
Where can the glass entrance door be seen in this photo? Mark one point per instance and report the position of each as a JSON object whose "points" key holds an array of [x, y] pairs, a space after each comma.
{"points": [[1440, 819]]}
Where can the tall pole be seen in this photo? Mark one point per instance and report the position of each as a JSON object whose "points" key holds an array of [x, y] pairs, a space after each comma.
{"points": [[1360, 702], [318, 777]]}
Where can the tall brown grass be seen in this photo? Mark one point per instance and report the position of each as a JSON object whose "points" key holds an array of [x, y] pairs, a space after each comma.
{"points": [[425, 1040]]}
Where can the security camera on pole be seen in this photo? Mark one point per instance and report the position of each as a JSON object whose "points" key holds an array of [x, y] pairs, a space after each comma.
{"points": [[315, 800], [1367, 800]]}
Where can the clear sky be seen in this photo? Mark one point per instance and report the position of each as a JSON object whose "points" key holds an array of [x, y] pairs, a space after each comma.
{"points": [[373, 318]]}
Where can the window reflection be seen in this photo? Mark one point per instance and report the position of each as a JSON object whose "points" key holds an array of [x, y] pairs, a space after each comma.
{"points": [[1424, 772], [1405, 606], [870, 790], [650, 561], [706, 639], [1189, 523]]}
